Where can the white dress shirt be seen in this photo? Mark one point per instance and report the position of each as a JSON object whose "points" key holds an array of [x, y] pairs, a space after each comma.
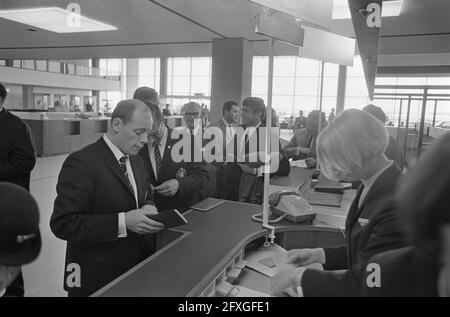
{"points": [[118, 155], [248, 131], [230, 130], [162, 146]]}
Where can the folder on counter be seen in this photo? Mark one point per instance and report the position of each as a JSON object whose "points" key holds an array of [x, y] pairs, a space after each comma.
{"points": [[325, 199], [207, 204]]}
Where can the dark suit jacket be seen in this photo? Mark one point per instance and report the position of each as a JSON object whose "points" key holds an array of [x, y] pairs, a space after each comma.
{"points": [[344, 265], [227, 175], [17, 156], [300, 139], [405, 272], [394, 152], [284, 167], [92, 190], [190, 186]]}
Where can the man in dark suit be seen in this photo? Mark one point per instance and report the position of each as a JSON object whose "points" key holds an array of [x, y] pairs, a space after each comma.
{"points": [[17, 160], [300, 121], [177, 185], [20, 240], [224, 171], [393, 151], [371, 227], [248, 143], [103, 201]]}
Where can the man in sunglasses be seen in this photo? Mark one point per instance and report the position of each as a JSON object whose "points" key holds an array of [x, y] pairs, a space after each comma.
{"points": [[177, 185]]}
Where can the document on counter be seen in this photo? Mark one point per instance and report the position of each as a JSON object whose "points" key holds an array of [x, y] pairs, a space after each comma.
{"points": [[241, 291], [298, 163], [270, 260]]}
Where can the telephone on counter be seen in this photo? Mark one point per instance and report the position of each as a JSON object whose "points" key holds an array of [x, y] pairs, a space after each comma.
{"points": [[292, 205]]}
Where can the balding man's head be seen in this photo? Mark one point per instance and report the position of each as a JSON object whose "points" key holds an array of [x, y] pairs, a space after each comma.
{"points": [[131, 123], [147, 95], [191, 112]]}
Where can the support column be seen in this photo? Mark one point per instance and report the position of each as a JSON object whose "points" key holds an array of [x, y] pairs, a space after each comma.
{"points": [[163, 77], [132, 78], [28, 97], [342, 83], [232, 61], [96, 100]]}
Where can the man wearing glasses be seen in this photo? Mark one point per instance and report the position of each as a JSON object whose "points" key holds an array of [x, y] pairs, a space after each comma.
{"points": [[176, 185]]}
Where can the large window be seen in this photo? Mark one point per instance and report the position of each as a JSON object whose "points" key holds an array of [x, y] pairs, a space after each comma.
{"points": [[188, 79], [112, 67], [296, 84], [357, 96], [110, 99], [149, 72]]}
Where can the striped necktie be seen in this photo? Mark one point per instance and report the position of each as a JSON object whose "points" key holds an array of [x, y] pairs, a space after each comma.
{"points": [[123, 166], [158, 160]]}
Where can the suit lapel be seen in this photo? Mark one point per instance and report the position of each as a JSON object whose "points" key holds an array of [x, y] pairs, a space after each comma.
{"points": [[166, 159], [146, 156], [380, 185], [112, 164], [137, 177], [383, 181], [354, 211]]}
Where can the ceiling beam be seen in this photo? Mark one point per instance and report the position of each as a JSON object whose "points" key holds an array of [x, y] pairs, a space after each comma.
{"points": [[368, 39]]}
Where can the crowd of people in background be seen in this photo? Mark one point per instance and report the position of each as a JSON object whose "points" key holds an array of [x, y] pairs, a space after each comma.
{"points": [[393, 220]]}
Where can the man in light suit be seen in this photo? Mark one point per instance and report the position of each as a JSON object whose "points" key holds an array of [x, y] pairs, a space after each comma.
{"points": [[224, 171], [103, 201], [177, 185]]}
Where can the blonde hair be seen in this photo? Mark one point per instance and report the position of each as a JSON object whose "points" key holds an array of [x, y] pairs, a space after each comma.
{"points": [[349, 141]]}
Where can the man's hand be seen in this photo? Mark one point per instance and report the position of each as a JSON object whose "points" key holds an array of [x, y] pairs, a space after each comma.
{"points": [[149, 210], [286, 281], [137, 222], [302, 257], [168, 188]]}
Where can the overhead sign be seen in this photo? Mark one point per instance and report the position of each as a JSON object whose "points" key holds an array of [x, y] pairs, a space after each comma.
{"points": [[286, 31], [327, 47], [315, 12]]}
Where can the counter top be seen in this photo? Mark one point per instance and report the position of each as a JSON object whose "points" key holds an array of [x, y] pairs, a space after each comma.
{"points": [[205, 245]]}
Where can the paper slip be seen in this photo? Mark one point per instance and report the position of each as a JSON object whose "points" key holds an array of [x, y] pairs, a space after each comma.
{"points": [[270, 260], [241, 291], [298, 163]]}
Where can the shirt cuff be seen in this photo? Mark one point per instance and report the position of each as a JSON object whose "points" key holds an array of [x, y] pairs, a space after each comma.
{"points": [[322, 257], [297, 282], [122, 226]]}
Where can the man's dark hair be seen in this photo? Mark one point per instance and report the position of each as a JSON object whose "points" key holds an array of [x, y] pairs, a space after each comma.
{"points": [[156, 112], [314, 115], [3, 92], [125, 110], [146, 95], [256, 105], [228, 105], [375, 111]]}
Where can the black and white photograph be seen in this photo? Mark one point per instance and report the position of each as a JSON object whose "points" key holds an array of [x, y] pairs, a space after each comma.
{"points": [[222, 153]]}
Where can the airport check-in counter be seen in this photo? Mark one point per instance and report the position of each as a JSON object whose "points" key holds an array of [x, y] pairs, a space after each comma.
{"points": [[61, 136], [195, 258]]}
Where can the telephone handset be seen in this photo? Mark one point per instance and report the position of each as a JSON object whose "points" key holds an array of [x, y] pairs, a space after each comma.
{"points": [[291, 204]]}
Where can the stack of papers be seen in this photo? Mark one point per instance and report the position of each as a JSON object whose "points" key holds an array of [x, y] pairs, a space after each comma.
{"points": [[270, 260], [298, 163]]}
